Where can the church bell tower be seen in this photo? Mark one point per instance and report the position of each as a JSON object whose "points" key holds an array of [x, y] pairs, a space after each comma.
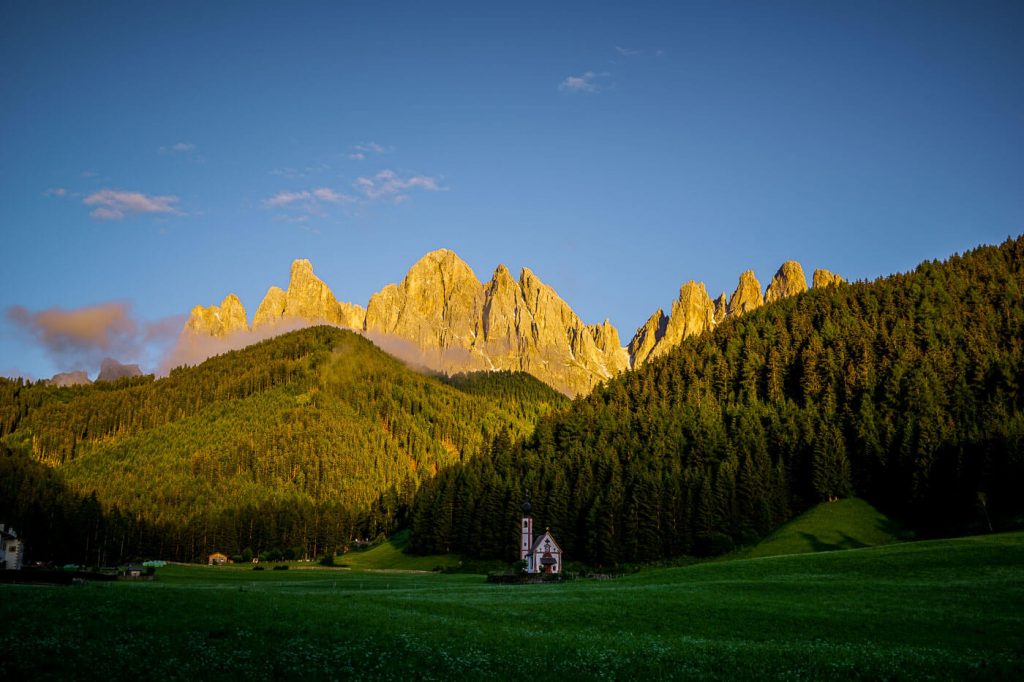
{"points": [[526, 530]]}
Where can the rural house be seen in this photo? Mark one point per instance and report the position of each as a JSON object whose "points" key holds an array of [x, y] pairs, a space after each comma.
{"points": [[217, 559], [542, 555], [11, 549]]}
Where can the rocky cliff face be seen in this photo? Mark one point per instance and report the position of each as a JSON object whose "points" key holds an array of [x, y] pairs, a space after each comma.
{"points": [[111, 370], [446, 319], [747, 295], [721, 307], [503, 324], [693, 313], [823, 279], [220, 321], [647, 337], [437, 306], [70, 379], [788, 281], [307, 299]]}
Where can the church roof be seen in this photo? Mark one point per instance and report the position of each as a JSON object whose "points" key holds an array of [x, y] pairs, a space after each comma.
{"points": [[540, 541]]}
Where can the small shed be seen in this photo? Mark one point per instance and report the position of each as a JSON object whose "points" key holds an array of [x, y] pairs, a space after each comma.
{"points": [[217, 559]]}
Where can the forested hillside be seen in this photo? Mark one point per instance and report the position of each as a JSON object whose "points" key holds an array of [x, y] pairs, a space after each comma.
{"points": [[906, 391], [302, 442]]}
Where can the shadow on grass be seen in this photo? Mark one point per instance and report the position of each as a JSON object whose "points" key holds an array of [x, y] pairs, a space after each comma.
{"points": [[819, 545]]}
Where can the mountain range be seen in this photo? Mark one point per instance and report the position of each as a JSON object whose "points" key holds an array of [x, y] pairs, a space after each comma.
{"points": [[446, 319]]}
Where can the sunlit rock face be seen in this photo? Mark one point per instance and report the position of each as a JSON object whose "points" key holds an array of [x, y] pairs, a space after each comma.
{"points": [[437, 305], [694, 313], [647, 337], [721, 307], [219, 321], [503, 324], [747, 295], [788, 281], [824, 279], [442, 317], [307, 299], [447, 320]]}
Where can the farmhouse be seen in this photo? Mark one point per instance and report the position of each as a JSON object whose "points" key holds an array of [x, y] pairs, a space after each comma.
{"points": [[217, 559], [11, 549], [542, 555]]}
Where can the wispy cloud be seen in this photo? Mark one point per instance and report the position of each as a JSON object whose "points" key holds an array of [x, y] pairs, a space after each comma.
{"points": [[364, 149], [56, 192], [79, 338], [320, 194], [627, 51], [388, 184], [297, 173], [585, 82], [178, 148], [114, 204]]}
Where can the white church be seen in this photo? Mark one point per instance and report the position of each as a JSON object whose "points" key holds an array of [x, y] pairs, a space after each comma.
{"points": [[542, 555]]}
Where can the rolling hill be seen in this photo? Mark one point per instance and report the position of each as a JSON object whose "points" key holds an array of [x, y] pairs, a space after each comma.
{"points": [[304, 441]]}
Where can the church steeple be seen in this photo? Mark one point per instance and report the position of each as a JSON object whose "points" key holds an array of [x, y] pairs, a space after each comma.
{"points": [[526, 533]]}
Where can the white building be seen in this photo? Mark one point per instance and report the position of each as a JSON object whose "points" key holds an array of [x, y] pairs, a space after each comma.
{"points": [[11, 549], [542, 555]]}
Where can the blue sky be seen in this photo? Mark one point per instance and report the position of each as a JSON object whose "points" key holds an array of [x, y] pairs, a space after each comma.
{"points": [[157, 157]]}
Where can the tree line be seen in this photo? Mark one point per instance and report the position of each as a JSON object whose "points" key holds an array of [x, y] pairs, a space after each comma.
{"points": [[906, 391]]}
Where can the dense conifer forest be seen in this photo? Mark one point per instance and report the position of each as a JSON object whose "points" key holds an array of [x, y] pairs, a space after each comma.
{"points": [[906, 391], [299, 445]]}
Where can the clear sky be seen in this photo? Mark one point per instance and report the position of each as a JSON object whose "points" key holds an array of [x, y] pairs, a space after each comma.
{"points": [[157, 157]]}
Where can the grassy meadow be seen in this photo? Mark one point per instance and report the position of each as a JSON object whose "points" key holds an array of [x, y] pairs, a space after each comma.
{"points": [[949, 609]]}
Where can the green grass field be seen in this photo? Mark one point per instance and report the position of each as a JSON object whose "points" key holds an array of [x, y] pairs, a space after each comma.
{"points": [[950, 609], [391, 555], [846, 524]]}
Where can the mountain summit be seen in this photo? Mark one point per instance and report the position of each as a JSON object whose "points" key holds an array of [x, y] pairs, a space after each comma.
{"points": [[443, 317]]}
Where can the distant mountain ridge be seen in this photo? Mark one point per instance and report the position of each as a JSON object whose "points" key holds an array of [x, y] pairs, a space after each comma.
{"points": [[454, 322]]}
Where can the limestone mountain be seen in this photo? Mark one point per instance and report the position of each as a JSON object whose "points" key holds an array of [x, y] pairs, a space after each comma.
{"points": [[219, 321], [747, 295], [112, 370], [788, 281], [441, 316], [523, 325], [447, 319], [307, 299], [78, 378], [694, 313], [823, 278], [647, 337], [437, 306]]}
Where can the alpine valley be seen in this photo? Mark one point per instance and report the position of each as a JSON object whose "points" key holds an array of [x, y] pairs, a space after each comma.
{"points": [[715, 425]]}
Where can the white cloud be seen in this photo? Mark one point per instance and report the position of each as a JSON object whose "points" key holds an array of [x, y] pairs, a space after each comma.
{"points": [[56, 192], [329, 195], [285, 198], [388, 184], [585, 82], [309, 200], [115, 204], [627, 52], [364, 149], [178, 148]]}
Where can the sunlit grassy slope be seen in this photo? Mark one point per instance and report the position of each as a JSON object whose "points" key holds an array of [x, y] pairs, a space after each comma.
{"points": [[846, 524], [949, 609], [390, 555]]}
